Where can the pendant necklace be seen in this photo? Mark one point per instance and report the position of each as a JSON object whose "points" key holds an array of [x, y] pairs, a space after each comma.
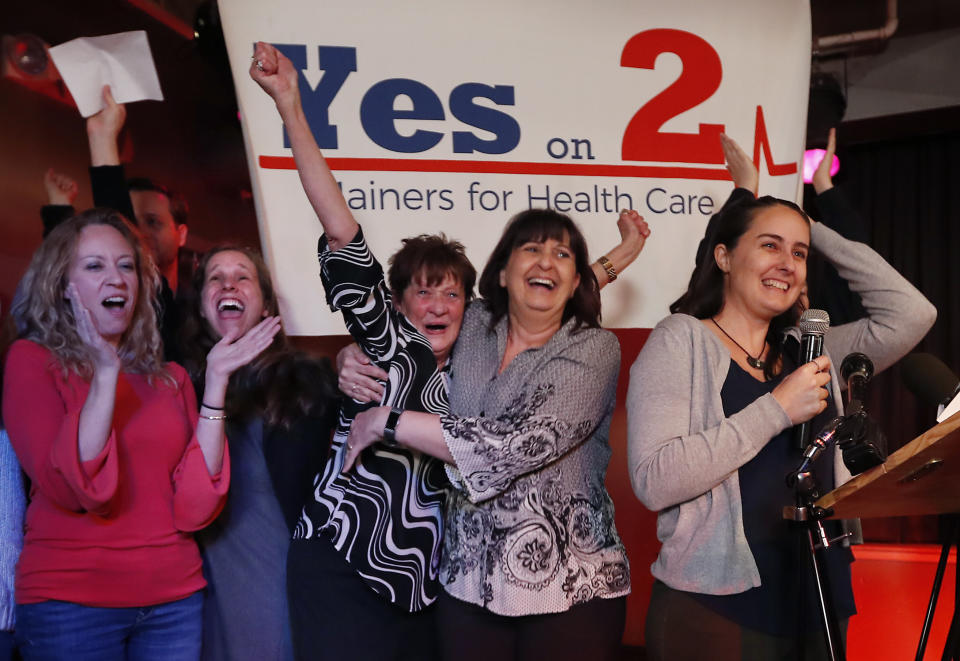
{"points": [[755, 363]]}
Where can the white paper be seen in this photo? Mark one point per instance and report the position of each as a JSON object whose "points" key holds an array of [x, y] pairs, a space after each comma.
{"points": [[950, 409], [122, 61]]}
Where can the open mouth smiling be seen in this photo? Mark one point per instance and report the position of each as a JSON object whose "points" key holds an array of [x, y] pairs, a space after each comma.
{"points": [[776, 284], [230, 307], [546, 283], [114, 303]]}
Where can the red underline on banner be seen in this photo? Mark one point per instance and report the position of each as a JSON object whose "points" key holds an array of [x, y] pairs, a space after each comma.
{"points": [[504, 167]]}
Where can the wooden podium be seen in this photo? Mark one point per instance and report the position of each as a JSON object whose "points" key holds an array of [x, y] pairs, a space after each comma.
{"points": [[922, 477]]}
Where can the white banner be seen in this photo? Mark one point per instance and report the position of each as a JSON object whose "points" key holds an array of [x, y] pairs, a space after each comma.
{"points": [[452, 116]]}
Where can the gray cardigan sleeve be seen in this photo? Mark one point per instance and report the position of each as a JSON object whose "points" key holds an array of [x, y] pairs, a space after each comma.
{"points": [[676, 451], [898, 315]]}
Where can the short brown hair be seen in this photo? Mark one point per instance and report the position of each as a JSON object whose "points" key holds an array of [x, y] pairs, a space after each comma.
{"points": [[435, 257]]}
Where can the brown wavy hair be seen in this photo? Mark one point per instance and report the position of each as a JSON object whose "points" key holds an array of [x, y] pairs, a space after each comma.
{"points": [[43, 314], [540, 225], [281, 384]]}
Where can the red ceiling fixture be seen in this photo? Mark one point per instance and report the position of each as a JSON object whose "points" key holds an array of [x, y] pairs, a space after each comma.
{"points": [[26, 61]]}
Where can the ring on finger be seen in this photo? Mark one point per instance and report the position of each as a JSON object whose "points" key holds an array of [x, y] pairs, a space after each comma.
{"points": [[260, 65]]}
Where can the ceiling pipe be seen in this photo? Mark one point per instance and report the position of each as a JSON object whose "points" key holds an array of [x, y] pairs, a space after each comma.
{"points": [[836, 42]]}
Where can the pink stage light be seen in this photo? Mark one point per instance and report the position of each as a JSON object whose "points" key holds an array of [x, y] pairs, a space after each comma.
{"points": [[812, 158]]}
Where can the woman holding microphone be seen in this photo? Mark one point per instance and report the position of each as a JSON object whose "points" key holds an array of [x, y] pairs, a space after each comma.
{"points": [[711, 404]]}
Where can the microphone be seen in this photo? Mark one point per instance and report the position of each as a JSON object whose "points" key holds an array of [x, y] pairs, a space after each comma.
{"points": [[857, 370], [813, 324], [865, 445], [820, 442]]}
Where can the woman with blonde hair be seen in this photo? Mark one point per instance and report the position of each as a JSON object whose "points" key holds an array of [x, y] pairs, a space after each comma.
{"points": [[122, 470]]}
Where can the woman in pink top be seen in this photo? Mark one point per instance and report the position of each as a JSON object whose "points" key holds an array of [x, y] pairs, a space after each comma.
{"points": [[122, 471]]}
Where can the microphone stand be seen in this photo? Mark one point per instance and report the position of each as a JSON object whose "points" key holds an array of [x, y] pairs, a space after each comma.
{"points": [[806, 492], [853, 435], [950, 537]]}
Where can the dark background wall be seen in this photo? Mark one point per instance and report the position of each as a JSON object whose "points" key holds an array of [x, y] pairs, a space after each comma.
{"points": [[191, 141]]}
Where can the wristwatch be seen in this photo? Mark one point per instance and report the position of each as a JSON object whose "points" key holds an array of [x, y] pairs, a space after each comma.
{"points": [[390, 429]]}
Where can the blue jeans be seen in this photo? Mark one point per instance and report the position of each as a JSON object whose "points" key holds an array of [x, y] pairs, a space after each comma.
{"points": [[54, 630], [6, 646]]}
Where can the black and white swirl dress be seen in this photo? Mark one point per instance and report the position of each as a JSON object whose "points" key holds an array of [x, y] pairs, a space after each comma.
{"points": [[384, 517]]}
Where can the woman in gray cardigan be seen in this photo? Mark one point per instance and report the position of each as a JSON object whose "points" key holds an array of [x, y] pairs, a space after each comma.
{"points": [[711, 402]]}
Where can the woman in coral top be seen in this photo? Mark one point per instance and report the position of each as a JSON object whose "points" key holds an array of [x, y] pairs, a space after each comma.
{"points": [[122, 470]]}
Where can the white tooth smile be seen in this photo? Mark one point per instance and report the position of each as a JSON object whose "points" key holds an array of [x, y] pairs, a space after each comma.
{"points": [[115, 301], [541, 281], [230, 304], [777, 284]]}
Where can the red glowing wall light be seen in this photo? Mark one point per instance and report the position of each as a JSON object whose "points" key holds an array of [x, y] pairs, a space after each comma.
{"points": [[812, 158]]}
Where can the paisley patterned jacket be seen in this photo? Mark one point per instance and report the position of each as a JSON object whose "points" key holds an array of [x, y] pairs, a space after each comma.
{"points": [[529, 526]]}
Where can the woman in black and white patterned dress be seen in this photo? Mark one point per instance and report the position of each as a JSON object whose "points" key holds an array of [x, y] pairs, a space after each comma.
{"points": [[364, 561]]}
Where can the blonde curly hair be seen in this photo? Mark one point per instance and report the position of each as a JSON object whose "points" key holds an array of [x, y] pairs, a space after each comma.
{"points": [[43, 314]]}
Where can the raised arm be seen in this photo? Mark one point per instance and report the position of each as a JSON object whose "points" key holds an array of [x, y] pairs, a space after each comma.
{"points": [[634, 232], [224, 358], [745, 181], [741, 168], [202, 477], [107, 179], [898, 315], [61, 192], [103, 131], [278, 78], [96, 417], [822, 182], [61, 189]]}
